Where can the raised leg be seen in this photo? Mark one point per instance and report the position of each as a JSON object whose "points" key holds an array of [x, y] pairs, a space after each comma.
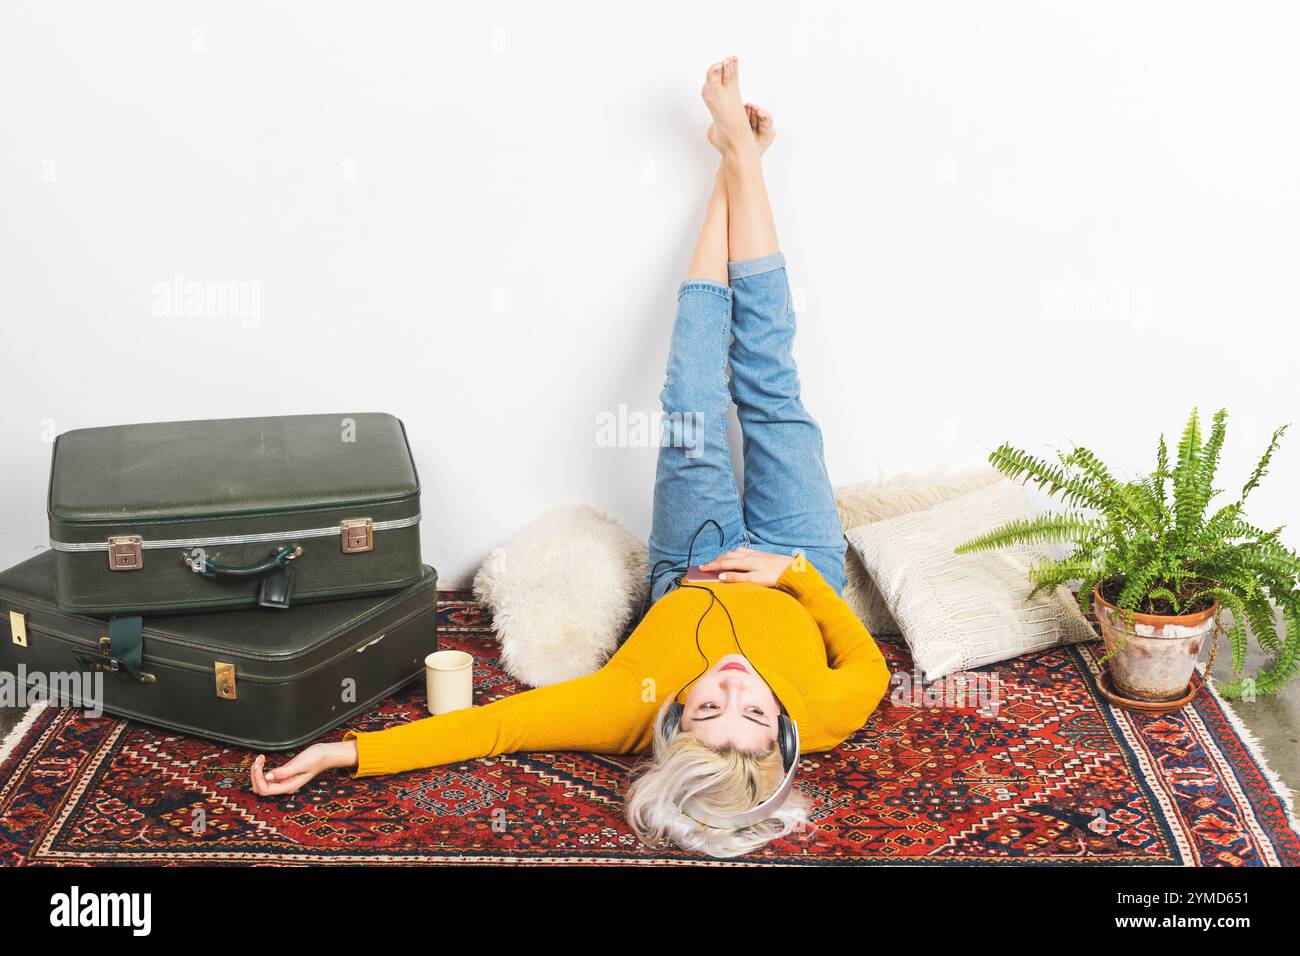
{"points": [[694, 481], [788, 504], [709, 260]]}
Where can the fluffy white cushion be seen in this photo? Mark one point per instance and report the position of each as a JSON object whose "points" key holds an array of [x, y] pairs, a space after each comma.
{"points": [[870, 501], [961, 611], [562, 593]]}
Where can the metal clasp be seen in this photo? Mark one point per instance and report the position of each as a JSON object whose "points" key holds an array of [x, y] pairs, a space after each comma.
{"points": [[225, 675], [18, 627], [125, 553], [357, 535]]}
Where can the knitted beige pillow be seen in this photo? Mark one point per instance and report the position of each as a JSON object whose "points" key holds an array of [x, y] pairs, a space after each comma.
{"points": [[960, 611], [870, 501]]}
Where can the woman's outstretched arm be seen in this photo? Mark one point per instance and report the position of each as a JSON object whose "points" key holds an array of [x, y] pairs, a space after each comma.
{"points": [[602, 712]]}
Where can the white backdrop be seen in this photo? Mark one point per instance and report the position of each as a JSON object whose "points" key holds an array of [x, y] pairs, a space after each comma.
{"points": [[1039, 222]]}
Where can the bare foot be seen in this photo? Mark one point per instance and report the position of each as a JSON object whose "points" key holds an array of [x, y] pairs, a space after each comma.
{"points": [[731, 127], [760, 123]]}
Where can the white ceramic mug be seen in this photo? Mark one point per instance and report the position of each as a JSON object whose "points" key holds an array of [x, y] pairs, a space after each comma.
{"points": [[449, 681]]}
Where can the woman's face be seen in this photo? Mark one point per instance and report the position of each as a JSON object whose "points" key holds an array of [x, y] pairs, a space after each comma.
{"points": [[732, 706]]}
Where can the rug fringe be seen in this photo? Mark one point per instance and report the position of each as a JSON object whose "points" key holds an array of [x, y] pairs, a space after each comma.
{"points": [[1284, 792], [15, 736]]}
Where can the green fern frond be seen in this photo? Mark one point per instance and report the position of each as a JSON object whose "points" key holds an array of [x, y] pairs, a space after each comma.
{"points": [[1261, 469], [1166, 595], [1135, 503], [1285, 664], [1237, 631], [1259, 611], [1187, 472], [1053, 479], [1050, 575], [1137, 586], [1203, 490], [1086, 586], [1064, 527]]}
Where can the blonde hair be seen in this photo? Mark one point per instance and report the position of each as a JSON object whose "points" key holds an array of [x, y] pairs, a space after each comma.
{"points": [[684, 769]]}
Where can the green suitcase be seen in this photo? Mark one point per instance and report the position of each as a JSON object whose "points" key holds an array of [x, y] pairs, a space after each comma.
{"points": [[207, 515], [269, 680]]}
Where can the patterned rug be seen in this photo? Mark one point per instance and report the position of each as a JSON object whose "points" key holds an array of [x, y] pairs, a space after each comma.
{"points": [[1051, 774]]}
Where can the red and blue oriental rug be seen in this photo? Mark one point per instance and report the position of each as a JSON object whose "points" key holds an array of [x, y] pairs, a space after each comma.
{"points": [[1045, 773]]}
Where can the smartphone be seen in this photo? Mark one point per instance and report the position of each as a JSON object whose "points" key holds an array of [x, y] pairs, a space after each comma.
{"points": [[695, 576]]}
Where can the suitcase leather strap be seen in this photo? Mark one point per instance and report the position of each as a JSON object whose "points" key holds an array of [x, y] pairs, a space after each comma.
{"points": [[126, 643]]}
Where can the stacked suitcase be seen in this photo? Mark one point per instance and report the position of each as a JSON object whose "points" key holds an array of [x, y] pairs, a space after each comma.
{"points": [[256, 581]]}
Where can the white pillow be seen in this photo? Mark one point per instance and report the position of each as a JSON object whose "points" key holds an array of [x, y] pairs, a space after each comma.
{"points": [[562, 593], [961, 611], [868, 501]]}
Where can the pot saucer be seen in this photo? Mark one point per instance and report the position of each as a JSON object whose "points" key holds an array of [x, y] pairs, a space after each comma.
{"points": [[1143, 706]]}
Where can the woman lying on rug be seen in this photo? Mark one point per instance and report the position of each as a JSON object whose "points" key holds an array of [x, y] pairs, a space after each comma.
{"points": [[768, 656]]}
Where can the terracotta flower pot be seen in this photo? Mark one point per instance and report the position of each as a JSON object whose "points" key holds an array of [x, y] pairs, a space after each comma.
{"points": [[1152, 656]]}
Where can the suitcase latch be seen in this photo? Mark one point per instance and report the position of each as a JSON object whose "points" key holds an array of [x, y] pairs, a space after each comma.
{"points": [[358, 534], [125, 553], [225, 680], [18, 627]]}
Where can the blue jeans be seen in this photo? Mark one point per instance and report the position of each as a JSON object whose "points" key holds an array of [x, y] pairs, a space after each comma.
{"points": [[787, 504]]}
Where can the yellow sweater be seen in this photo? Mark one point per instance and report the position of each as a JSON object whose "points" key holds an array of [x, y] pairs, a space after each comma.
{"points": [[818, 658]]}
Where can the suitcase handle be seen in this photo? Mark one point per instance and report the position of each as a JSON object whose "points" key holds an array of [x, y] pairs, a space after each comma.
{"points": [[274, 570], [213, 569]]}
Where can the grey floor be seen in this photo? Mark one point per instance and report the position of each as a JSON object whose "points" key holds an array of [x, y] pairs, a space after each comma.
{"points": [[1275, 721]]}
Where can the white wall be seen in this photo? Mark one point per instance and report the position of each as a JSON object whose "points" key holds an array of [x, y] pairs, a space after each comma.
{"points": [[1028, 221]]}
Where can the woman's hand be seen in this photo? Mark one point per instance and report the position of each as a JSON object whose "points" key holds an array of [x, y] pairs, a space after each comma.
{"points": [[745, 564], [302, 768]]}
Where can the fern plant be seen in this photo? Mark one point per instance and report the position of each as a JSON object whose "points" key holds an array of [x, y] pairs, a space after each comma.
{"points": [[1155, 546]]}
